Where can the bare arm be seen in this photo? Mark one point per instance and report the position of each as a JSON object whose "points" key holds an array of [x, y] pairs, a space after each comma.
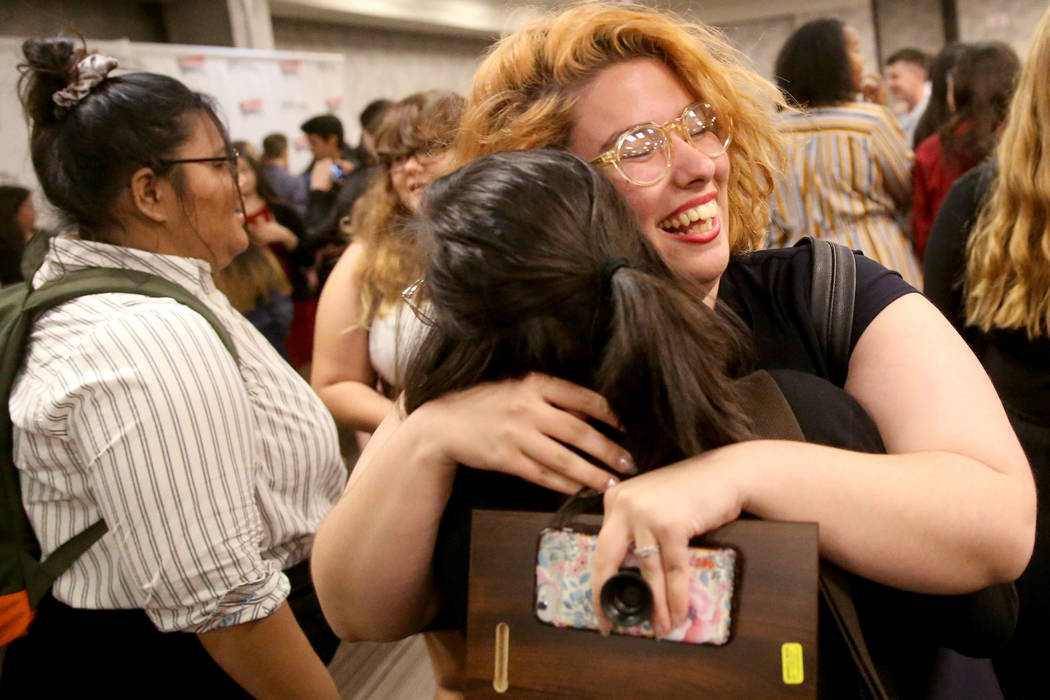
{"points": [[951, 509], [270, 658], [372, 555], [342, 373]]}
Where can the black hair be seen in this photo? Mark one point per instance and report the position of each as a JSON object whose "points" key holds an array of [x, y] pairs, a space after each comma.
{"points": [[983, 83], [273, 146], [12, 238], [262, 183], [937, 111], [813, 68], [372, 115], [84, 155], [910, 55], [524, 276], [324, 125]]}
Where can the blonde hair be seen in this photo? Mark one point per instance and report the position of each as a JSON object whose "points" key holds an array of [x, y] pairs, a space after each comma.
{"points": [[1008, 255], [391, 261], [252, 278], [525, 91]]}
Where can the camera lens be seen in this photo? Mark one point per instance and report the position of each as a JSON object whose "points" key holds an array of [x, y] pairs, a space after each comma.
{"points": [[627, 599]]}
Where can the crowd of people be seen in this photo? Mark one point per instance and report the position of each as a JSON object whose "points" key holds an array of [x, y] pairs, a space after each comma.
{"points": [[574, 280]]}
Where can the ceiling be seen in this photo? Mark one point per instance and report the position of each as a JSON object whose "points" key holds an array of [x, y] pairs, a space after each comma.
{"points": [[491, 18]]}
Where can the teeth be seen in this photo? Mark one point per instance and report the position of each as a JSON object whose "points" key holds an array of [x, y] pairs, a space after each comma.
{"points": [[703, 213]]}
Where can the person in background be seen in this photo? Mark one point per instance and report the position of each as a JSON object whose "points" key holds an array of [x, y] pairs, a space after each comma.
{"points": [[680, 125], [982, 84], [274, 160], [938, 111], [211, 473], [247, 148], [906, 72], [849, 167], [986, 269], [364, 154], [365, 335], [367, 163], [17, 221], [257, 281]]}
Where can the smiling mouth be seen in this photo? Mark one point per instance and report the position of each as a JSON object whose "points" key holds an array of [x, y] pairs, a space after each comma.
{"points": [[698, 219]]}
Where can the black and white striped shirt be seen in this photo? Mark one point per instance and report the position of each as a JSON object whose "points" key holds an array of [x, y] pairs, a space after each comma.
{"points": [[211, 477]]}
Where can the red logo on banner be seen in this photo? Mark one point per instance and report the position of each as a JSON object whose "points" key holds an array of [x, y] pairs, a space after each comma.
{"points": [[191, 64], [253, 106], [289, 67], [334, 103]]}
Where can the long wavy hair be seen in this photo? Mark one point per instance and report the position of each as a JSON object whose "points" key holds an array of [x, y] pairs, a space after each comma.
{"points": [[536, 264], [984, 78], [1008, 255], [390, 261], [524, 93]]}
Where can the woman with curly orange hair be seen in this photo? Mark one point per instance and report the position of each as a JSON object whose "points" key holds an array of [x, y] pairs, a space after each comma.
{"points": [[669, 114]]}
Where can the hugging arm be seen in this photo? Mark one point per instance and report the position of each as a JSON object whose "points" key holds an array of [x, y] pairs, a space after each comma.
{"points": [[372, 558], [950, 509]]}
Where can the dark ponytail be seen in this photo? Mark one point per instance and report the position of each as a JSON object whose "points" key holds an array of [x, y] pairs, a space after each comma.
{"points": [[667, 369], [520, 281], [84, 154]]}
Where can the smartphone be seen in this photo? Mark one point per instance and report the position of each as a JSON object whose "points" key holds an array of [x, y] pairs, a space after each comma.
{"points": [[563, 590], [337, 173]]}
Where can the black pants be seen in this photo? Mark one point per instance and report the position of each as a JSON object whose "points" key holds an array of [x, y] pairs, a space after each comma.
{"points": [[120, 654]]}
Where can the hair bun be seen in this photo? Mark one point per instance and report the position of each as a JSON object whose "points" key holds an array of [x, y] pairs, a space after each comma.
{"points": [[50, 65]]}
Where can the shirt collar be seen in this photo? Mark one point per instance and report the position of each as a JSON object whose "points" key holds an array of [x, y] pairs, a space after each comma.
{"points": [[67, 253]]}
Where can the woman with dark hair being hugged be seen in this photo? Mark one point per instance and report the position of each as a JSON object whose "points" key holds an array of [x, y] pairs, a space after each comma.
{"points": [[981, 84], [210, 473], [986, 269], [848, 177]]}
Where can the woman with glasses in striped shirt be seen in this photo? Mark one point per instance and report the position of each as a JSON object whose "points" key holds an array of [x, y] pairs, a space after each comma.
{"points": [[210, 473]]}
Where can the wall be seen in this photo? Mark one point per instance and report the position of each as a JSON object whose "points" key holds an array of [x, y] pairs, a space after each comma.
{"points": [[1011, 21], [384, 63], [96, 19]]}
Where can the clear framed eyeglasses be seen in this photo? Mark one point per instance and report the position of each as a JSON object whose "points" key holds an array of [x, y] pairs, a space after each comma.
{"points": [[642, 154], [413, 295]]}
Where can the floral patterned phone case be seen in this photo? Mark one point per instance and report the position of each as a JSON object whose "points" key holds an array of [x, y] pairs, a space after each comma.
{"points": [[563, 589]]}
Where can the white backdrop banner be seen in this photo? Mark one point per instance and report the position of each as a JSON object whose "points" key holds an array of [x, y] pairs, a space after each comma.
{"points": [[258, 92]]}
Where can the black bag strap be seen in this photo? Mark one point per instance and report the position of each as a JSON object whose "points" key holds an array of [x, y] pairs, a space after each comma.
{"points": [[70, 286], [772, 417], [833, 293]]}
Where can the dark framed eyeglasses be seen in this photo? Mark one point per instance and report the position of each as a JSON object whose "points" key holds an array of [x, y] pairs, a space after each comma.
{"points": [[413, 295], [424, 156], [230, 159]]}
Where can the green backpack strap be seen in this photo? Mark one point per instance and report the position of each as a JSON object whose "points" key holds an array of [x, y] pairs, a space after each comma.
{"points": [[14, 525], [102, 280]]}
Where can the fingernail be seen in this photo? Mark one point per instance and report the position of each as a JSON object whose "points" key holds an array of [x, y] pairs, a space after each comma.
{"points": [[627, 465], [611, 482]]}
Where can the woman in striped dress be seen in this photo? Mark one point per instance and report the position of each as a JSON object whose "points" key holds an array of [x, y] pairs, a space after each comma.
{"points": [[849, 173]]}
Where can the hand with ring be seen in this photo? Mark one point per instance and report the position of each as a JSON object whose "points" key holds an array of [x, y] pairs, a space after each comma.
{"points": [[656, 514]]}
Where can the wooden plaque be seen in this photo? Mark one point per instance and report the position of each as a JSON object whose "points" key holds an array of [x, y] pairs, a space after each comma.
{"points": [[775, 604]]}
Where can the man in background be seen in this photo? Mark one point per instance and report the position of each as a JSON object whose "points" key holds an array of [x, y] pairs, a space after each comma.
{"points": [[274, 161], [906, 78]]}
